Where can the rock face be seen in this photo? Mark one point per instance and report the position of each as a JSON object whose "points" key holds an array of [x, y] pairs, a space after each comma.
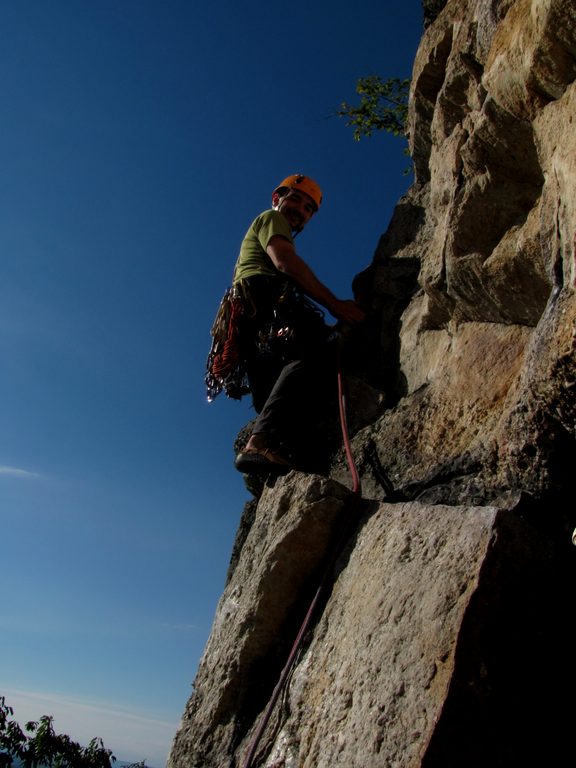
{"points": [[443, 636]]}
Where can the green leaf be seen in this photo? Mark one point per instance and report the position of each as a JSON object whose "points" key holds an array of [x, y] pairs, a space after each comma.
{"points": [[383, 107]]}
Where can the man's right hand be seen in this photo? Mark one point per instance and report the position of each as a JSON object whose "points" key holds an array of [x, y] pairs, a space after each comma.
{"points": [[348, 312]]}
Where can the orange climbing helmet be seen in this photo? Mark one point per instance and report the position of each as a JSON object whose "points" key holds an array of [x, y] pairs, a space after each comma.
{"points": [[304, 184]]}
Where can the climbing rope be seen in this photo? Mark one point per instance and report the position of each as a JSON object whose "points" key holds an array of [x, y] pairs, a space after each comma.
{"points": [[224, 368], [356, 490]]}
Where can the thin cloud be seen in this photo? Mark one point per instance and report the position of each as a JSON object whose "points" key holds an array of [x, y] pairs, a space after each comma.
{"points": [[16, 472], [181, 627]]}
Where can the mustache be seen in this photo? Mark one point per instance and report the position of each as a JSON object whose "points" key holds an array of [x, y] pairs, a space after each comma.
{"points": [[296, 214]]}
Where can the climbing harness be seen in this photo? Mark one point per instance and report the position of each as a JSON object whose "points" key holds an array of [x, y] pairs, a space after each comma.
{"points": [[281, 328], [297, 325], [357, 495]]}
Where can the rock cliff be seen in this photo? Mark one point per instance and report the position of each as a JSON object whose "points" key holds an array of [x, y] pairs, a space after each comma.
{"points": [[443, 636]]}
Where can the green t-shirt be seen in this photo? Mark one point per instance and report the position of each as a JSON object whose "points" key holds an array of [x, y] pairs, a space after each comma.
{"points": [[253, 259]]}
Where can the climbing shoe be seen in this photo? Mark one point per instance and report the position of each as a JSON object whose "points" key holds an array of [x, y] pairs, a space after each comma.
{"points": [[253, 461]]}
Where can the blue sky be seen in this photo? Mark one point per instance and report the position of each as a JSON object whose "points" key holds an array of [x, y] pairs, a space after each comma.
{"points": [[138, 140]]}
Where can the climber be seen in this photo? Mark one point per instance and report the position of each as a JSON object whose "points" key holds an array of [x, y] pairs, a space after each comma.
{"points": [[285, 346]]}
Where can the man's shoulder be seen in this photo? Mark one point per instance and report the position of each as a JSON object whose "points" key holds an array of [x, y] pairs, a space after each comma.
{"points": [[266, 216], [273, 222]]}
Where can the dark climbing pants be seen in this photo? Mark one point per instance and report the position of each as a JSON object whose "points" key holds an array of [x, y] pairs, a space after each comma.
{"points": [[301, 401], [293, 384]]}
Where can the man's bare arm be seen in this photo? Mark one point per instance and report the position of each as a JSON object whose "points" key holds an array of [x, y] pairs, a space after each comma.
{"points": [[287, 261]]}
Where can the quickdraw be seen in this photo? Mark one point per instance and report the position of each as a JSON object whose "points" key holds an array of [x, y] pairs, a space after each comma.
{"points": [[298, 325]]}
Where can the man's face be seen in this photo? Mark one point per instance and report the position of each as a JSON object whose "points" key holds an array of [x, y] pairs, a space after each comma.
{"points": [[297, 207]]}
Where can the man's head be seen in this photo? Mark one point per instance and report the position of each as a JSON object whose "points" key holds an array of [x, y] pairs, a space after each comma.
{"points": [[298, 198]]}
